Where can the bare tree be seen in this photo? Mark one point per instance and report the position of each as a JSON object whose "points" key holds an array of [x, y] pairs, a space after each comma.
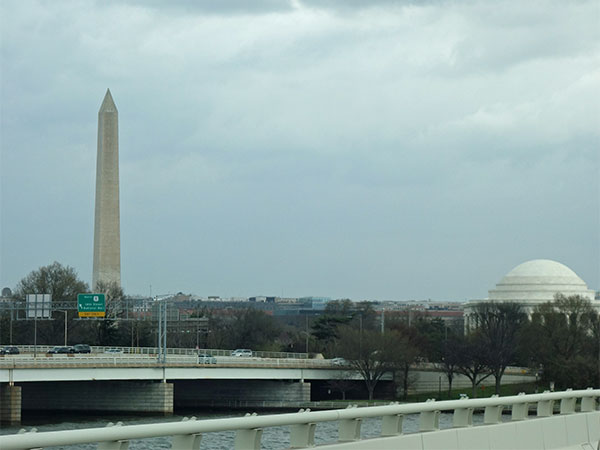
{"points": [[450, 359], [410, 345], [369, 353], [473, 360], [343, 384], [498, 326], [60, 281], [106, 329], [63, 284], [566, 333]]}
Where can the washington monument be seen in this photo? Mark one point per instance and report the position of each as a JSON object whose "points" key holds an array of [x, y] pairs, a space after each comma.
{"points": [[107, 240]]}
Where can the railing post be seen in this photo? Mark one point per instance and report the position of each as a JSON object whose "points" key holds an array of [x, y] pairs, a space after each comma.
{"points": [[186, 441], [33, 430], [462, 417], [349, 429], [588, 404], [520, 411], [248, 439], [302, 435], [567, 405], [429, 420], [493, 414], [392, 425], [545, 408], [114, 445]]}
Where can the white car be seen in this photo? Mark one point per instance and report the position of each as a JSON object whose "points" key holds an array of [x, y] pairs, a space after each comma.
{"points": [[340, 362], [245, 352], [113, 350]]}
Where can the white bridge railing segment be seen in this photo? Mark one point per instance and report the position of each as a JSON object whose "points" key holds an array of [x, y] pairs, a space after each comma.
{"points": [[67, 361], [187, 434]]}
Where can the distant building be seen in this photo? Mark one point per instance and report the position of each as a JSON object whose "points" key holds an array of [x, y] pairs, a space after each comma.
{"points": [[535, 282], [315, 303]]}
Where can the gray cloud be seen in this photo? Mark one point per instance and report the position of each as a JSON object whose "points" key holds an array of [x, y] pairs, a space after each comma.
{"points": [[211, 7], [395, 150]]}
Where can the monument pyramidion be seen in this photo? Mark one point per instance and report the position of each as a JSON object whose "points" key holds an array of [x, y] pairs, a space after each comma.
{"points": [[107, 240]]}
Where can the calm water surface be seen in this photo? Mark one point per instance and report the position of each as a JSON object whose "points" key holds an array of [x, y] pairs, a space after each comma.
{"points": [[273, 437]]}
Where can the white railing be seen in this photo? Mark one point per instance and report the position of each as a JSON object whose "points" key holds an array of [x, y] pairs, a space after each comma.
{"points": [[188, 433], [40, 349], [133, 360]]}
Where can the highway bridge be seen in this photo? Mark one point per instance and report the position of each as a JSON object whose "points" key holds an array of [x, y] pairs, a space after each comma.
{"points": [[138, 382]]}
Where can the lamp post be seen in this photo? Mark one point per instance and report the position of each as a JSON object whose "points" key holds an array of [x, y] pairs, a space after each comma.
{"points": [[162, 306], [65, 313], [35, 335], [197, 335], [360, 337], [12, 309], [307, 334]]}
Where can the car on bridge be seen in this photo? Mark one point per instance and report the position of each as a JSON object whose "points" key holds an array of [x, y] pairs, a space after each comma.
{"points": [[9, 350], [61, 349], [242, 352], [206, 358], [113, 350], [340, 362], [82, 348]]}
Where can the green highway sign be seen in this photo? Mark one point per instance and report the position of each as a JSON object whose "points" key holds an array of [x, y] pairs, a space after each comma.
{"points": [[91, 305]]}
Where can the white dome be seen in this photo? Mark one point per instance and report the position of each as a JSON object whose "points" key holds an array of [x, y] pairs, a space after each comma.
{"points": [[539, 281]]}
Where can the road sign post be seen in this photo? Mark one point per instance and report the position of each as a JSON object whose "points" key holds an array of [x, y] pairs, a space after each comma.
{"points": [[91, 305]]}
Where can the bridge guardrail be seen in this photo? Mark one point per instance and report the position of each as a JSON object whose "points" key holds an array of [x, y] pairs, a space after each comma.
{"points": [[125, 360], [170, 351], [187, 433]]}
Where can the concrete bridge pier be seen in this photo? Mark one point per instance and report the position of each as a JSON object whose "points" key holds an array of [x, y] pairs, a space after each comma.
{"points": [[10, 404], [240, 394], [99, 396]]}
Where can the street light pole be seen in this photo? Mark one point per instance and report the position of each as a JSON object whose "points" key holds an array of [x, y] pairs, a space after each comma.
{"points": [[306, 316], [66, 327], [35, 335], [162, 329], [12, 309], [360, 337], [197, 335], [65, 313]]}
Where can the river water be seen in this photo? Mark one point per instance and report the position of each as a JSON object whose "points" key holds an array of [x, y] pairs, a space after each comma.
{"points": [[273, 438]]}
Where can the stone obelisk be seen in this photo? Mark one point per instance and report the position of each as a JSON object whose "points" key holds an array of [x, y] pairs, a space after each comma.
{"points": [[107, 240]]}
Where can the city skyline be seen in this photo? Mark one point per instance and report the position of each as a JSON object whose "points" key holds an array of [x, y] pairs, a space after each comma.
{"points": [[365, 150]]}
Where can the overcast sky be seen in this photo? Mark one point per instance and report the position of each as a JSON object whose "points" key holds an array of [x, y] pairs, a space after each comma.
{"points": [[351, 149]]}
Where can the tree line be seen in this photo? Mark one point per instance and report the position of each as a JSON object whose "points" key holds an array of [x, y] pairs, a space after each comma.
{"points": [[559, 340]]}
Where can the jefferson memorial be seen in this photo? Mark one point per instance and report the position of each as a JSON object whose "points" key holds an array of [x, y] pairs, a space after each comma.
{"points": [[535, 282]]}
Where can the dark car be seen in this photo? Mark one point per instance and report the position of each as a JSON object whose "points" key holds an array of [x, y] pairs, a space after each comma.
{"points": [[82, 348], [9, 350], [60, 349], [206, 358]]}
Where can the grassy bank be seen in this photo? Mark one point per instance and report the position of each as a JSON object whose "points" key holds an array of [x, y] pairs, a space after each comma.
{"points": [[482, 392]]}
